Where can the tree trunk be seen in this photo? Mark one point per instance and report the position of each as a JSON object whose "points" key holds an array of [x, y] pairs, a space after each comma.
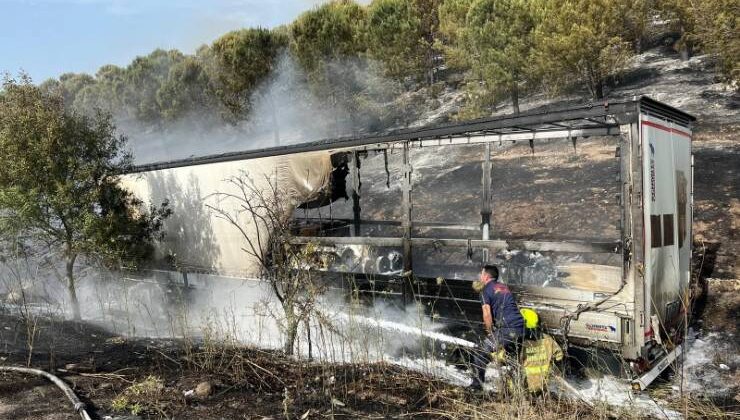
{"points": [[598, 88], [291, 331], [71, 287], [684, 47], [430, 58], [308, 337], [515, 98], [685, 51]]}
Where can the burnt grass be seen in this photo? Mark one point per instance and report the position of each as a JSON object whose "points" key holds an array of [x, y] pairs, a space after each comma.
{"points": [[717, 199], [246, 382]]}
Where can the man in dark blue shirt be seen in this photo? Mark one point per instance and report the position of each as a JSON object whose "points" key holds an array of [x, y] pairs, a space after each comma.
{"points": [[503, 322]]}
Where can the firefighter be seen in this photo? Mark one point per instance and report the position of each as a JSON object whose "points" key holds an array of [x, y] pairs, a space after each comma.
{"points": [[531, 322], [504, 324], [539, 351]]}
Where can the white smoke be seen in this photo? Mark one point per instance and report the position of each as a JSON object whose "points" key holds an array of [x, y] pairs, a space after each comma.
{"points": [[284, 110], [245, 312], [245, 309]]}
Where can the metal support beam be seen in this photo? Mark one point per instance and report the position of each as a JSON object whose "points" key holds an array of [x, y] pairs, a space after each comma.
{"points": [[416, 225], [542, 246], [356, 185], [632, 231], [406, 207], [530, 135], [620, 111], [485, 211], [595, 121], [490, 137], [625, 198]]}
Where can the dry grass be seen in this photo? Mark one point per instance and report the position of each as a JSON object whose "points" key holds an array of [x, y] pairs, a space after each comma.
{"points": [[141, 397]]}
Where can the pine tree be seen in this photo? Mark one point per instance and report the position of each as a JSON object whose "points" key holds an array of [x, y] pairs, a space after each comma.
{"points": [[401, 35], [394, 37], [499, 38], [240, 61], [683, 19], [330, 32], [582, 41], [452, 18], [428, 12], [327, 43], [187, 90], [143, 78], [717, 31]]}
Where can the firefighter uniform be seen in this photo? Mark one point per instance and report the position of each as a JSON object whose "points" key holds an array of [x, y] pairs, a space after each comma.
{"points": [[538, 356], [508, 325]]}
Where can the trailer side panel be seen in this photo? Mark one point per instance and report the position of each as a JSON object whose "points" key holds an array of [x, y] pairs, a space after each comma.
{"points": [[666, 150]]}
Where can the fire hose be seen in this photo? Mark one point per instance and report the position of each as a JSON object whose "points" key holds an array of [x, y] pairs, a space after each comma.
{"points": [[78, 405]]}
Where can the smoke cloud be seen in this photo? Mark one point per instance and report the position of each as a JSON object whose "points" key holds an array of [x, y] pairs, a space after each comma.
{"points": [[232, 310], [285, 109]]}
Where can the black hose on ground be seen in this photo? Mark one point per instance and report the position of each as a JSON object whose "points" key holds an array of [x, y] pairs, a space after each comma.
{"points": [[78, 405]]}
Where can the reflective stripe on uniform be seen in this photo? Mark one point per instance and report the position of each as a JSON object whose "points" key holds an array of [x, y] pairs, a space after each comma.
{"points": [[544, 369]]}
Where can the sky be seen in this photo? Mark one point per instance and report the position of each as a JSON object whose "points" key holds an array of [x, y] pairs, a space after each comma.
{"points": [[46, 38]]}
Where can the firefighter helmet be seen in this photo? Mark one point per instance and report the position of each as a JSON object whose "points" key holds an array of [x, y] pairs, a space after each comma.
{"points": [[531, 319]]}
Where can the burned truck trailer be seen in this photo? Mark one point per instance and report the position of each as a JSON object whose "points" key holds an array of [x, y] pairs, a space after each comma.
{"points": [[587, 210]]}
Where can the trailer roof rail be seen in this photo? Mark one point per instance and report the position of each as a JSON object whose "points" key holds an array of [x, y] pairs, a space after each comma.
{"points": [[545, 122]]}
